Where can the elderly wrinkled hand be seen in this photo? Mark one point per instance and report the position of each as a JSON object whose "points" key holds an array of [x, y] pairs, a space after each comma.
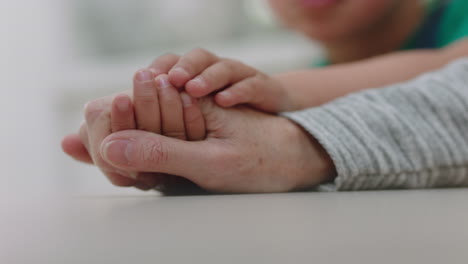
{"points": [[244, 151]]}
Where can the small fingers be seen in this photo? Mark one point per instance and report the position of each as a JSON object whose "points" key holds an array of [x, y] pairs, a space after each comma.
{"points": [[164, 64], [122, 114], [218, 76], [193, 118], [146, 102], [250, 90], [190, 65], [172, 114], [123, 118]]}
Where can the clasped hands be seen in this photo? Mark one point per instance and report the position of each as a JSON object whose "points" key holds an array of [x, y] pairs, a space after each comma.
{"points": [[186, 121]]}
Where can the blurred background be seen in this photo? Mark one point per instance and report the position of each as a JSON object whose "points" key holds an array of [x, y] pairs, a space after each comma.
{"points": [[58, 54]]}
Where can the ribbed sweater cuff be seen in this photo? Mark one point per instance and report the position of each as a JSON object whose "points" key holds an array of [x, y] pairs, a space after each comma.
{"points": [[409, 135]]}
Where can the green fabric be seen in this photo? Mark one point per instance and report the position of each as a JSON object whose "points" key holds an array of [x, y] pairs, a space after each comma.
{"points": [[452, 27], [410, 42], [320, 63], [454, 24]]}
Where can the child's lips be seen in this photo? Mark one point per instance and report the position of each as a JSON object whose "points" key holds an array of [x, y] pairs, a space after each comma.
{"points": [[317, 3]]}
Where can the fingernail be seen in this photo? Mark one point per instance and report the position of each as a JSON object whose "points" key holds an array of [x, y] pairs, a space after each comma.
{"points": [[118, 152], [186, 99], [225, 95], [162, 82], [200, 81], [144, 76], [180, 71]]}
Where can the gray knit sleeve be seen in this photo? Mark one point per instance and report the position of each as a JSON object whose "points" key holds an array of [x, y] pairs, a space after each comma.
{"points": [[408, 135]]}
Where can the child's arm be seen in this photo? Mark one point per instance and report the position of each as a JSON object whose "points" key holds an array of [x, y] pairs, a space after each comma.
{"points": [[202, 73], [314, 87]]}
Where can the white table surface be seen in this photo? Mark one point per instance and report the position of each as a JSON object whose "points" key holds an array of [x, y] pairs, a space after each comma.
{"points": [[364, 227]]}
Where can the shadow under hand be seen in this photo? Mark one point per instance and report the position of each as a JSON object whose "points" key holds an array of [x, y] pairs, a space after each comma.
{"points": [[178, 186]]}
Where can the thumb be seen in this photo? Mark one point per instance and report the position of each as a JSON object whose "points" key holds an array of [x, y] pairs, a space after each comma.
{"points": [[136, 150]]}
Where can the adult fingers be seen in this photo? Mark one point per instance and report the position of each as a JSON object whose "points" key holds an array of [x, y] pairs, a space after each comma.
{"points": [[83, 133], [172, 115], [190, 65], [218, 76], [97, 115], [142, 151], [146, 103], [74, 147], [194, 121]]}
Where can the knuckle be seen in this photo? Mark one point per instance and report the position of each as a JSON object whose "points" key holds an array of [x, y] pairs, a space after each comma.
{"points": [[241, 91], [235, 65], [191, 61], [188, 64], [153, 153], [257, 82], [119, 124], [164, 57], [257, 79], [145, 100], [230, 64], [200, 51], [210, 76], [145, 94], [171, 101]]}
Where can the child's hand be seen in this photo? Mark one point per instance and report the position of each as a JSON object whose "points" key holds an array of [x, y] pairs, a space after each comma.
{"points": [[202, 73], [159, 108]]}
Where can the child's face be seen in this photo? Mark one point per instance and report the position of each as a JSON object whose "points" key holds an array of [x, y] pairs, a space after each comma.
{"points": [[333, 20]]}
